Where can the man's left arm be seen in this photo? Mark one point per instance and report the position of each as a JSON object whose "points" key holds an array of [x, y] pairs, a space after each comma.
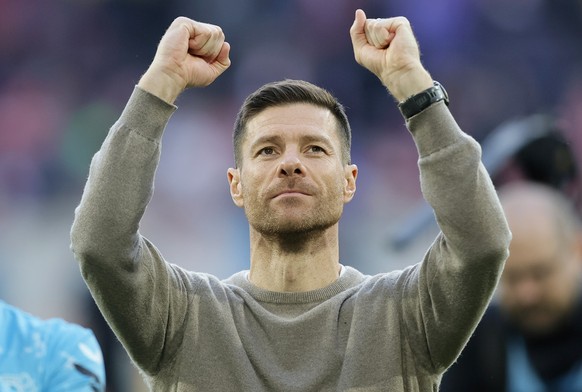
{"points": [[458, 276], [453, 285]]}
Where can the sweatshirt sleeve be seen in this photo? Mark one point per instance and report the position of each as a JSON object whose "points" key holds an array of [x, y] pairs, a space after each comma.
{"points": [[141, 296], [451, 288]]}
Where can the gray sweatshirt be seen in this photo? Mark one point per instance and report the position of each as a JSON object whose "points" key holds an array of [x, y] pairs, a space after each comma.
{"points": [[189, 331]]}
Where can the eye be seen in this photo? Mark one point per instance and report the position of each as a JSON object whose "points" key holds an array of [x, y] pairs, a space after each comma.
{"points": [[316, 149], [266, 151]]}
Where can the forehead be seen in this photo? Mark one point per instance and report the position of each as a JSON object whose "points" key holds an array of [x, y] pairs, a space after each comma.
{"points": [[534, 242], [293, 120]]}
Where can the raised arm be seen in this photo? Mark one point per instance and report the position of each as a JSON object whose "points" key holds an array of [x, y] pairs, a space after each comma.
{"points": [[141, 295], [444, 297]]}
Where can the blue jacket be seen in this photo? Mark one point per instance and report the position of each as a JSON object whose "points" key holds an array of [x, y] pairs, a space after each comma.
{"points": [[47, 355]]}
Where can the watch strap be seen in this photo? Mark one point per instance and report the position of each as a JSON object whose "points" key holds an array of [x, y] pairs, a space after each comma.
{"points": [[418, 102]]}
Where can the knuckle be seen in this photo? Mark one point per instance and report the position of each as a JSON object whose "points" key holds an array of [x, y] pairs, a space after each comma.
{"points": [[403, 20], [182, 20]]}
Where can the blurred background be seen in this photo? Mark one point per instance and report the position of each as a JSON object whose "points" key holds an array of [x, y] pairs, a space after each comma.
{"points": [[67, 68]]}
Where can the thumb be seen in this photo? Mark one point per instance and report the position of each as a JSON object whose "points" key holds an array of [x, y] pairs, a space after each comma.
{"points": [[357, 31], [222, 57], [360, 17]]}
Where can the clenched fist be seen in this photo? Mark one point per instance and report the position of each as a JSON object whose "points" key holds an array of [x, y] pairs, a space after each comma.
{"points": [[190, 54], [388, 48]]}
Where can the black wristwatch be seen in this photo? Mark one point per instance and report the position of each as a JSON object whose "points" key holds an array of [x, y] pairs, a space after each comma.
{"points": [[418, 102]]}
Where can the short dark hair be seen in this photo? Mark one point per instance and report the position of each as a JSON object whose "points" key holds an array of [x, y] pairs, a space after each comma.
{"points": [[285, 92]]}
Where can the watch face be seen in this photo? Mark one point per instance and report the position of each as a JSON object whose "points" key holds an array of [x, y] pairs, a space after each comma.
{"points": [[444, 92]]}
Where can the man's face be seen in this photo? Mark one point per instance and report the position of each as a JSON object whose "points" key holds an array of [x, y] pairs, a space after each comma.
{"points": [[540, 282], [292, 179]]}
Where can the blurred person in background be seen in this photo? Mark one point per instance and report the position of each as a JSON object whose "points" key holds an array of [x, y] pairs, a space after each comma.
{"points": [[298, 319], [530, 339], [47, 355]]}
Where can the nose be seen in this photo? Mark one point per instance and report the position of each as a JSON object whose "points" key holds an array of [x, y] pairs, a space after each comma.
{"points": [[291, 165], [527, 292]]}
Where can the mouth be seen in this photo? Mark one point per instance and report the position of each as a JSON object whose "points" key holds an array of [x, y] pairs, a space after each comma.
{"points": [[290, 189], [290, 192]]}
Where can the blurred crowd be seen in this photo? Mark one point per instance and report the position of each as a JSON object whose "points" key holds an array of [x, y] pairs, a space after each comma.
{"points": [[68, 66]]}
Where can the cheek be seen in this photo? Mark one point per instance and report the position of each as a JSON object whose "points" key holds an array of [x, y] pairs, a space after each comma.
{"points": [[337, 180], [251, 186], [562, 287], [505, 295], [332, 187]]}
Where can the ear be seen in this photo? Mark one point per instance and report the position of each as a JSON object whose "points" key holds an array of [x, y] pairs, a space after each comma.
{"points": [[577, 249], [351, 173], [235, 186]]}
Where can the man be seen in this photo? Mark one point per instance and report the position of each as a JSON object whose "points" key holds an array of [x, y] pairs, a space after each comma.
{"points": [[297, 320], [530, 341], [47, 355]]}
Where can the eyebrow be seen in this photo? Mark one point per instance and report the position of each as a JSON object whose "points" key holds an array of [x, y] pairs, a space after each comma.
{"points": [[317, 139], [269, 139], [306, 139]]}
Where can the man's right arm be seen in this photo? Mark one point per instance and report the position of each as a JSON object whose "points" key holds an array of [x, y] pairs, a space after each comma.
{"points": [[126, 274]]}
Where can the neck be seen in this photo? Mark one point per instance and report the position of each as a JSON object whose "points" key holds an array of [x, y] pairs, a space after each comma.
{"points": [[294, 263]]}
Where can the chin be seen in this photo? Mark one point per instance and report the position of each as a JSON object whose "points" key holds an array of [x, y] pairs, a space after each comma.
{"points": [[536, 327], [294, 230], [293, 226], [294, 221]]}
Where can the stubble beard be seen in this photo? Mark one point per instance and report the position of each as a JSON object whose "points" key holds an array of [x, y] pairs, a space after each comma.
{"points": [[531, 327], [293, 227]]}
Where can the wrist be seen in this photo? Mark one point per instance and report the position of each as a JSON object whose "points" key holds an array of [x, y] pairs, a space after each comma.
{"points": [[405, 85], [161, 85], [422, 100]]}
